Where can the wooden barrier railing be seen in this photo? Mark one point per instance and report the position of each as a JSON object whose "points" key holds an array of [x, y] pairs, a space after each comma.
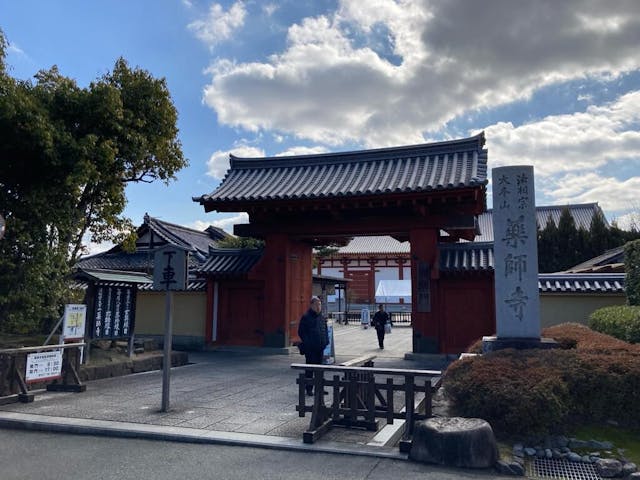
{"points": [[361, 395], [14, 388]]}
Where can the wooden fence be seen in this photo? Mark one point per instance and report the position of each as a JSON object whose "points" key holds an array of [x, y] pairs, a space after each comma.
{"points": [[13, 363], [363, 394]]}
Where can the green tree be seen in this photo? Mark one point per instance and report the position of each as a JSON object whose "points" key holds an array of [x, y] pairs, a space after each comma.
{"points": [[68, 153], [632, 270], [599, 236], [567, 240], [240, 242], [548, 248]]}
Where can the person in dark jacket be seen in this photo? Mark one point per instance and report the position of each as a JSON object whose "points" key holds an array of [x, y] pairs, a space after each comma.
{"points": [[380, 319], [312, 330]]}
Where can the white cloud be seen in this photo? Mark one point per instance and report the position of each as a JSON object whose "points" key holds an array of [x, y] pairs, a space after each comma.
{"points": [[227, 223], [270, 8], [573, 142], [575, 155], [302, 151], [219, 24], [220, 221], [612, 194], [630, 221], [218, 163], [448, 58]]}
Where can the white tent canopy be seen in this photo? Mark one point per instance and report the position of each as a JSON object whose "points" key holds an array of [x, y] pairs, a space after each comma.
{"points": [[391, 291]]}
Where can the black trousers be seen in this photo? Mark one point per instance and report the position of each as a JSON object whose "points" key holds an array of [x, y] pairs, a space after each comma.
{"points": [[380, 332], [314, 357]]}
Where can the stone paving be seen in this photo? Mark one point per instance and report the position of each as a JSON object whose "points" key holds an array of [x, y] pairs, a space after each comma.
{"points": [[223, 391]]}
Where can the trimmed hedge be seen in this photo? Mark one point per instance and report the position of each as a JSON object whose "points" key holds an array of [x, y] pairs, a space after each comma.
{"points": [[525, 392], [620, 321]]}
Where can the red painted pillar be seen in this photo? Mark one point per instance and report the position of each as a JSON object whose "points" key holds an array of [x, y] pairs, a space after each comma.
{"points": [[424, 299], [208, 328], [285, 269]]}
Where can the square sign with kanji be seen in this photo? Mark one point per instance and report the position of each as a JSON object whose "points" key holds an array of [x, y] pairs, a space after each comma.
{"points": [[170, 268]]}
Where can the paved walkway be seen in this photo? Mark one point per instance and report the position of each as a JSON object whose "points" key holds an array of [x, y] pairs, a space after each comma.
{"points": [[222, 397]]}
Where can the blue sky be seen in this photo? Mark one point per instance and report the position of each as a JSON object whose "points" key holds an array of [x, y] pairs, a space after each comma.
{"points": [[553, 84]]}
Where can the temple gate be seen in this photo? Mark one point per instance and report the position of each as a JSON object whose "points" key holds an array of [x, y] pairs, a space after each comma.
{"points": [[427, 194]]}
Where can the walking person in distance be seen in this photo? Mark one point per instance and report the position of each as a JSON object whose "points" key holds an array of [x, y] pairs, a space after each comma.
{"points": [[380, 319], [312, 330]]}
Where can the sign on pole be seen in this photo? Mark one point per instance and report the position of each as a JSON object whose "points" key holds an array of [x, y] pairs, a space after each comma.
{"points": [[43, 366], [74, 321], [169, 274], [170, 268]]}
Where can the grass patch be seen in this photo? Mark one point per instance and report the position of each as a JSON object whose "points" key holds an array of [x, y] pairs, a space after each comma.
{"points": [[622, 439]]}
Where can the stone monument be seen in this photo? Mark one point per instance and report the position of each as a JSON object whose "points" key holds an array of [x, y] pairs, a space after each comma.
{"points": [[515, 261]]}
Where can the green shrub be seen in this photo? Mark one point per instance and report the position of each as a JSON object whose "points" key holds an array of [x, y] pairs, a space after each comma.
{"points": [[510, 389], [545, 391], [620, 321]]}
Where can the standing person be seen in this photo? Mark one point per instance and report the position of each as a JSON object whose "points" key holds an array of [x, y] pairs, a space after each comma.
{"points": [[380, 319], [312, 330]]}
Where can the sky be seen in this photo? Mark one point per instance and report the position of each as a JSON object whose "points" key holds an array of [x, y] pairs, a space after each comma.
{"points": [[553, 84]]}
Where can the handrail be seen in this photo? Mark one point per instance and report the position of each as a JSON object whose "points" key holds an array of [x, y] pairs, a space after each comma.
{"points": [[42, 348], [388, 371]]}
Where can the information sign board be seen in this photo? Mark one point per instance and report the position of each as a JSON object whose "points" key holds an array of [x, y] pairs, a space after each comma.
{"points": [[43, 366], [74, 321], [114, 312]]}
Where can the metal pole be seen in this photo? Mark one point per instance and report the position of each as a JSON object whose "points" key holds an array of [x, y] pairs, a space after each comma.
{"points": [[166, 366]]}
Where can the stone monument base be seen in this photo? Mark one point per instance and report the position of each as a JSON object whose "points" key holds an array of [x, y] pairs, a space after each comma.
{"points": [[490, 344]]}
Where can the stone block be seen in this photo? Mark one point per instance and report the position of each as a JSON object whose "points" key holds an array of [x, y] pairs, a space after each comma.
{"points": [[608, 468], [454, 441]]}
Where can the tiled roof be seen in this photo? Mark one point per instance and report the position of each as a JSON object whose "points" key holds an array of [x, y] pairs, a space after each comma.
{"points": [[230, 262], [582, 215], [611, 260], [197, 242], [141, 261], [193, 240], [581, 283], [112, 277], [136, 261], [380, 244], [466, 257], [432, 166]]}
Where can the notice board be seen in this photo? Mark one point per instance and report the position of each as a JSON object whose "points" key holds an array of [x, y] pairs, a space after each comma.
{"points": [[114, 312]]}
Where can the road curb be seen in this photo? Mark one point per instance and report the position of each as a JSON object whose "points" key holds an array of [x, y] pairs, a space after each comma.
{"points": [[78, 426]]}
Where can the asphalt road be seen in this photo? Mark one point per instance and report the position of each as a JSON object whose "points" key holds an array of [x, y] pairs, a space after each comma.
{"points": [[48, 456]]}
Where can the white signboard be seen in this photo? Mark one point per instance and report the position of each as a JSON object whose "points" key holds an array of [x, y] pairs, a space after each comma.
{"points": [[44, 366], [74, 320]]}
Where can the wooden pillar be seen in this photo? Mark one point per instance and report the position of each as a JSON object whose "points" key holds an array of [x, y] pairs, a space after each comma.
{"points": [[424, 299], [208, 317], [371, 294], [285, 269]]}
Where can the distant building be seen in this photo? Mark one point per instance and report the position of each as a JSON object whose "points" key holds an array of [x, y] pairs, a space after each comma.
{"points": [[368, 260]]}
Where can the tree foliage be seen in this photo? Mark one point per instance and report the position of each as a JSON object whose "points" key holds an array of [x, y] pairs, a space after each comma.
{"points": [[240, 242], [68, 153], [563, 246], [632, 270]]}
